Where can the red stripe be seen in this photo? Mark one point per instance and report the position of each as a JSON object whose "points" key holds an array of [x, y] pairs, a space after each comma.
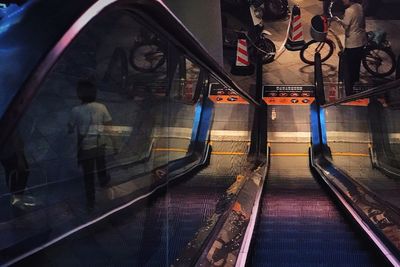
{"points": [[241, 60], [297, 36], [242, 41], [325, 24], [296, 19], [242, 51], [297, 27]]}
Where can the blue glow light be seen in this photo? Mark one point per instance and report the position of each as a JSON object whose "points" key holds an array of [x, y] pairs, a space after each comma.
{"points": [[11, 14]]}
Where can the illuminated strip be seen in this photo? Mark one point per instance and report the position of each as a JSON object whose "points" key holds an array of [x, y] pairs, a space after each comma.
{"points": [[213, 152], [289, 154], [349, 154], [346, 154], [227, 153], [333, 136], [171, 149]]}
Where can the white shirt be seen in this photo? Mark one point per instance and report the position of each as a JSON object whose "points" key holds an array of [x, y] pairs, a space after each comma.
{"points": [[354, 25], [89, 120]]}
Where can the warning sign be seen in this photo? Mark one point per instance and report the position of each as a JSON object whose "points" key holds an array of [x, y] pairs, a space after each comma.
{"points": [[224, 95], [288, 94], [335, 91]]}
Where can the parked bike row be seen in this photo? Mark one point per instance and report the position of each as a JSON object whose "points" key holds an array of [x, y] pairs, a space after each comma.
{"points": [[378, 58]]}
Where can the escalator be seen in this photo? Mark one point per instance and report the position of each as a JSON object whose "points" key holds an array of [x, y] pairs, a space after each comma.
{"points": [[300, 224], [152, 141], [150, 234], [332, 201], [154, 231], [159, 141]]}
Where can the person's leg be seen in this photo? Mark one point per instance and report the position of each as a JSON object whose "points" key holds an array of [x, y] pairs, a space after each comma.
{"points": [[10, 169], [101, 167], [16, 176], [347, 72], [22, 174], [88, 176], [358, 54]]}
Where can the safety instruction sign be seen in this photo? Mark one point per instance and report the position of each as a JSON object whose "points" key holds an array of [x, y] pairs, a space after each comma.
{"points": [[224, 95], [288, 94], [335, 91]]}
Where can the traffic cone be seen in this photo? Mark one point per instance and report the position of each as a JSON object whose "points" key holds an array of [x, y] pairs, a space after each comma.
{"points": [[295, 39], [242, 66]]}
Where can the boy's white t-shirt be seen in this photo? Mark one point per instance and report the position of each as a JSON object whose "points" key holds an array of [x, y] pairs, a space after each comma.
{"points": [[89, 119], [354, 25]]}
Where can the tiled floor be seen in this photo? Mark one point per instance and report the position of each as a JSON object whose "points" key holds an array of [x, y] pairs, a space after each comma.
{"points": [[289, 69]]}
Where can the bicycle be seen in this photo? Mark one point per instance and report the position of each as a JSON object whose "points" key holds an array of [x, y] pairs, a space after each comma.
{"points": [[148, 53], [378, 58], [272, 9], [259, 44]]}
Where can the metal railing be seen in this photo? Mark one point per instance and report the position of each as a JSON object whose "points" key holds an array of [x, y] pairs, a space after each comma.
{"points": [[379, 90]]}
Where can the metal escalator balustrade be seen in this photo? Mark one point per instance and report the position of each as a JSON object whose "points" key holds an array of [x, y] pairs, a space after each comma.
{"points": [[357, 156]]}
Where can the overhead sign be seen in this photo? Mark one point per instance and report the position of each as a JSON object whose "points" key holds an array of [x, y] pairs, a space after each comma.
{"points": [[224, 95], [288, 94]]}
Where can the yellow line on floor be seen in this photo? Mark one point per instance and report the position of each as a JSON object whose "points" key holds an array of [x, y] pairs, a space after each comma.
{"points": [[346, 154], [349, 154], [227, 153], [170, 149], [289, 154], [213, 152]]}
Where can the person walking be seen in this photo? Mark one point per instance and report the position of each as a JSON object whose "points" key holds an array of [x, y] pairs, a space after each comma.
{"points": [[16, 171], [91, 120], [353, 23]]}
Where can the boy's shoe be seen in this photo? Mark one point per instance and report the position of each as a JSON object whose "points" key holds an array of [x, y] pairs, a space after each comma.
{"points": [[29, 201], [21, 201]]}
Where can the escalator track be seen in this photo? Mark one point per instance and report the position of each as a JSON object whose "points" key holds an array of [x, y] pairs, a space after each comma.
{"points": [[149, 234], [300, 225], [153, 231]]}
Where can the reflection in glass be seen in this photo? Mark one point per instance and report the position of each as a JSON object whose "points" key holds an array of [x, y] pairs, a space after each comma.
{"points": [[358, 135], [107, 109]]}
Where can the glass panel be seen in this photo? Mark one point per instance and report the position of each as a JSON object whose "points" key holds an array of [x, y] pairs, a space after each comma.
{"points": [[182, 109], [101, 131], [363, 138]]}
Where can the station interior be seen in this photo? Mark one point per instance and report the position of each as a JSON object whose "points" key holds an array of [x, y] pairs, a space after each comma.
{"points": [[195, 133]]}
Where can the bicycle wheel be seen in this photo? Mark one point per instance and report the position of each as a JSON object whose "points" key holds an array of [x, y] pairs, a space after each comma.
{"points": [[230, 38], [276, 9], [309, 49], [267, 50], [146, 57], [380, 62]]}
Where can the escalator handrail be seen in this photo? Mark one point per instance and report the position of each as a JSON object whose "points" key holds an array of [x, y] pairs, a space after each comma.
{"points": [[378, 90], [318, 80]]}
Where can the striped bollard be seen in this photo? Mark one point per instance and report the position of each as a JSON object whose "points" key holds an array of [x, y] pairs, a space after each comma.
{"points": [[242, 65], [295, 39]]}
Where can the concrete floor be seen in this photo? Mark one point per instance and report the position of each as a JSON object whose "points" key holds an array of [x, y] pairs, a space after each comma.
{"points": [[289, 69]]}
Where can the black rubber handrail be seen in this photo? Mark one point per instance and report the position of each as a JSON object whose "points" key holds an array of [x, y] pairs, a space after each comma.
{"points": [[367, 93], [318, 80]]}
